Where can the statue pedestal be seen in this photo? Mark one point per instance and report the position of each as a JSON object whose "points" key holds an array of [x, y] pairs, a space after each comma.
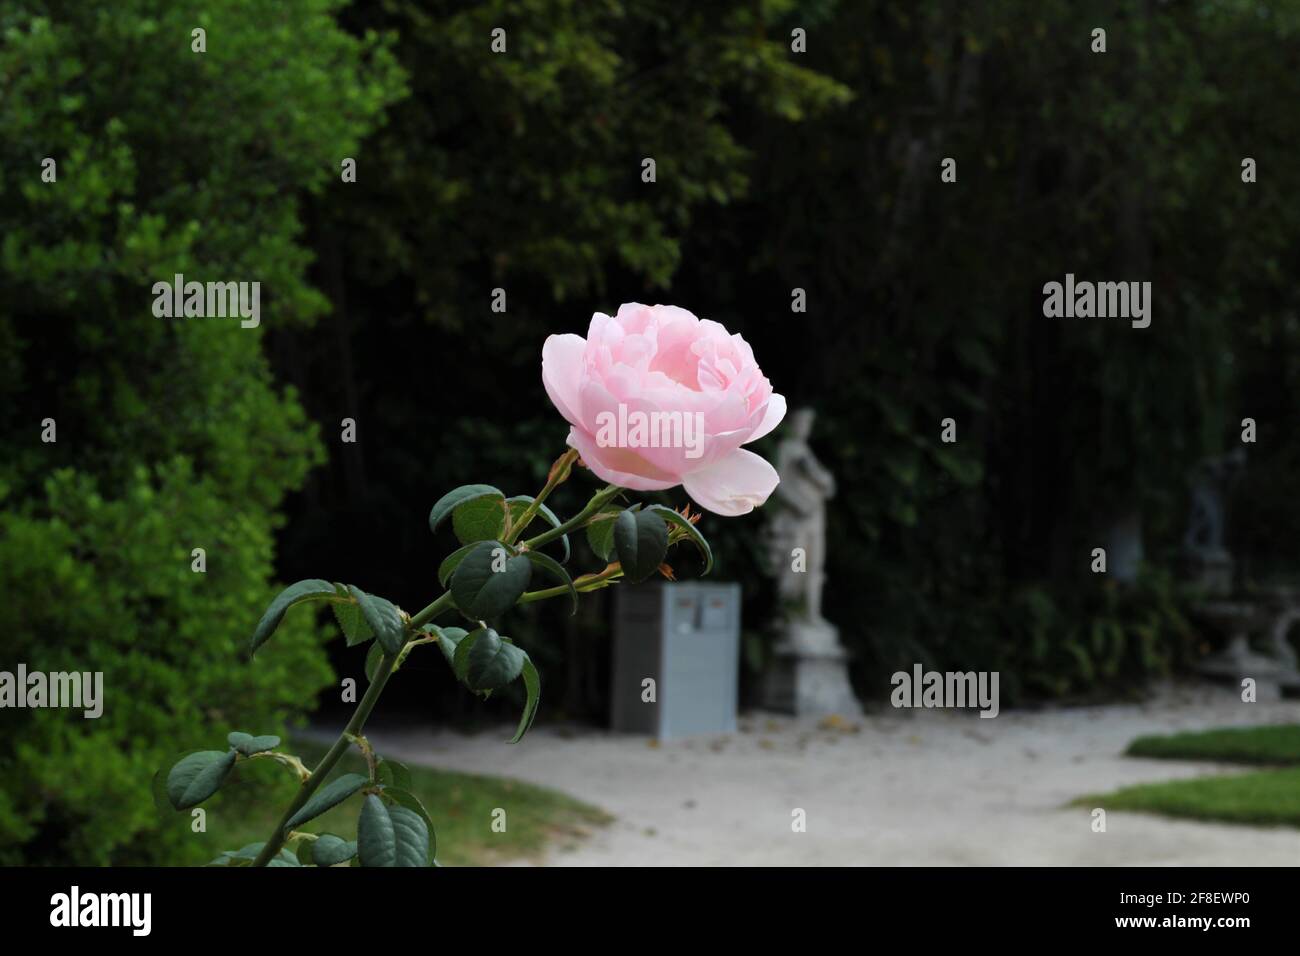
{"points": [[809, 676]]}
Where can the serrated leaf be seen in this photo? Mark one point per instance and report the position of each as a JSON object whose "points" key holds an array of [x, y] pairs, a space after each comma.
{"points": [[533, 689], [394, 773], [458, 496], [383, 617], [331, 850], [448, 638], [640, 541], [403, 796], [480, 519], [326, 798], [549, 564], [373, 657], [391, 836], [481, 591], [600, 532], [248, 745], [198, 776], [692, 532], [451, 562], [485, 661], [519, 504], [313, 589], [351, 620]]}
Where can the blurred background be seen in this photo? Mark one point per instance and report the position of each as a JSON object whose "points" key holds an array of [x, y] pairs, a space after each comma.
{"points": [[776, 170]]}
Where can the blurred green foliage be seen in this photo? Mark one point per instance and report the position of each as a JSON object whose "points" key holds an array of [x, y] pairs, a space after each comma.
{"points": [[171, 434]]}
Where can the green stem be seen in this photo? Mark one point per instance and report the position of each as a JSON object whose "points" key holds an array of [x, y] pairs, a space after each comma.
{"points": [[331, 758], [431, 611], [353, 729], [593, 583], [598, 501], [559, 473], [389, 661]]}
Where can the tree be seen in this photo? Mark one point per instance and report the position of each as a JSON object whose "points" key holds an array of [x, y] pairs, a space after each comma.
{"points": [[170, 434]]}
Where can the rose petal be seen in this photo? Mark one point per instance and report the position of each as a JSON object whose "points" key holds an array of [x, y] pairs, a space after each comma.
{"points": [[562, 366], [771, 418], [733, 485], [619, 466]]}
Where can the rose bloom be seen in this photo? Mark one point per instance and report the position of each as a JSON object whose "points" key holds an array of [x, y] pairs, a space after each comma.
{"points": [[662, 359]]}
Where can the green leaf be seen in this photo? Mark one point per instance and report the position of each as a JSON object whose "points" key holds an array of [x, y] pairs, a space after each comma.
{"points": [[198, 776], [448, 638], [479, 514], [533, 687], [480, 590], [326, 798], [331, 850], [162, 800], [669, 515], [458, 496], [248, 745], [391, 836], [519, 504], [405, 798], [351, 620], [600, 532], [548, 563], [245, 855], [451, 562], [313, 589], [383, 617], [480, 519], [394, 773], [373, 657], [640, 540], [485, 661]]}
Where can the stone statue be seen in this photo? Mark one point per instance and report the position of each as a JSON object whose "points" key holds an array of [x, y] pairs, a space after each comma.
{"points": [[1211, 481], [808, 675], [1207, 560], [799, 521]]}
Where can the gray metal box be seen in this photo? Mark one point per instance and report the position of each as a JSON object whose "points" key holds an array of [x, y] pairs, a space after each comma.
{"points": [[687, 638]]}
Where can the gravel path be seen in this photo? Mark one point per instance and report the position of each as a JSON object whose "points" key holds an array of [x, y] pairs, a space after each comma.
{"points": [[894, 788]]}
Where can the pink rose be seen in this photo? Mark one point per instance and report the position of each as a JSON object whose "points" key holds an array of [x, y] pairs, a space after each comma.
{"points": [[659, 398]]}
